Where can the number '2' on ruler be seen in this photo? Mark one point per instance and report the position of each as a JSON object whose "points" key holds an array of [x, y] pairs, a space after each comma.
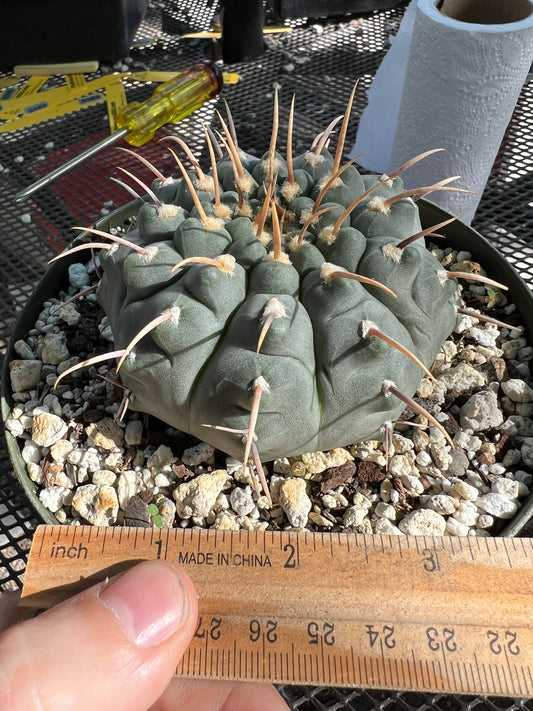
{"points": [[431, 614]]}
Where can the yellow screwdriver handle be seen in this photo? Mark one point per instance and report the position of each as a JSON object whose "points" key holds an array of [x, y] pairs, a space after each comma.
{"points": [[170, 102]]}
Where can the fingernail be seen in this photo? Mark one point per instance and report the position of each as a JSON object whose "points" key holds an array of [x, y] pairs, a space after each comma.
{"points": [[149, 601]]}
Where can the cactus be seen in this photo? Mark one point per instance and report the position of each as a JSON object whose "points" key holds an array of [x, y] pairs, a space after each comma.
{"points": [[275, 306]]}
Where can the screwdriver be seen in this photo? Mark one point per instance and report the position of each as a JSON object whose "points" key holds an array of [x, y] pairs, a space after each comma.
{"points": [[138, 122]]}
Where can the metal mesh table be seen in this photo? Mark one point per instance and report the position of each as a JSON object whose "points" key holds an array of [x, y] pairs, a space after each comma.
{"points": [[318, 62]]}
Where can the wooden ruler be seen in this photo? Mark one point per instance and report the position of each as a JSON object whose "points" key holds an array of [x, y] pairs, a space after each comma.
{"points": [[446, 614]]}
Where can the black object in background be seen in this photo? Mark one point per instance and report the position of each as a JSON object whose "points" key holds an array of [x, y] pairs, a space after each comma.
{"points": [[292, 9], [242, 30], [63, 31]]}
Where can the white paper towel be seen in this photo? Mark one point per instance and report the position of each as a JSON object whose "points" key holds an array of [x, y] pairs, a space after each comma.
{"points": [[459, 85]]}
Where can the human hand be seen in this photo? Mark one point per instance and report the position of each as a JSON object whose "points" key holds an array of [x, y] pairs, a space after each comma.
{"points": [[115, 645]]}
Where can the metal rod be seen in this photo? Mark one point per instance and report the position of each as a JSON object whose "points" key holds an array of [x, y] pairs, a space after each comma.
{"points": [[69, 165]]}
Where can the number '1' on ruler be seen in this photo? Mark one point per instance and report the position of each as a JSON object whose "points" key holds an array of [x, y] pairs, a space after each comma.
{"points": [[447, 614]]}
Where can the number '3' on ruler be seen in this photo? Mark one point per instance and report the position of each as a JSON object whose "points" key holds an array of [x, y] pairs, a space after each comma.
{"points": [[430, 614]]}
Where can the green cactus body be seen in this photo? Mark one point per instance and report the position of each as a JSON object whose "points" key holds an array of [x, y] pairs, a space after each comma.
{"points": [[323, 375]]}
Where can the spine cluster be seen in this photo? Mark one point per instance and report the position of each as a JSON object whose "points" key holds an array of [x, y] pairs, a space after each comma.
{"points": [[277, 305]]}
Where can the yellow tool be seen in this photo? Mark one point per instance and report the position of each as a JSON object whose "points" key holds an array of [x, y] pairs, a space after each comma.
{"points": [[138, 122]]}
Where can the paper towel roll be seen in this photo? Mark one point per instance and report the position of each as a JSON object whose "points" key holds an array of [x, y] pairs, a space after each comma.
{"points": [[462, 82]]}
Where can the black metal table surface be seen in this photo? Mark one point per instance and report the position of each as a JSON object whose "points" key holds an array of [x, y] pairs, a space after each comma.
{"points": [[318, 62]]}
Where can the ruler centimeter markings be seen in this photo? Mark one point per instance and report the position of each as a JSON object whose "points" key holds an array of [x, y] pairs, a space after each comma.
{"points": [[452, 615]]}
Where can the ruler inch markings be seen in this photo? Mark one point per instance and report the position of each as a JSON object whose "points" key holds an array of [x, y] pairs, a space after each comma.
{"points": [[506, 548], [322, 605]]}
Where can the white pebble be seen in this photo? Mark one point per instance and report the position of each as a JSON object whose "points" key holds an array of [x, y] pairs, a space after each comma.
{"points": [[506, 487], [23, 350], [334, 500], [244, 475], [486, 337], [423, 459], [104, 476], [329, 501], [522, 426], [354, 516], [222, 501], [55, 348], [413, 484], [512, 347], [465, 491], [198, 496], [75, 457], [199, 454], [384, 510], [511, 458], [385, 490], [282, 466], [78, 276], [485, 521], [47, 429], [15, 427], [385, 527], [226, 521], [294, 501], [60, 450], [361, 501], [476, 480], [497, 469], [69, 314], [317, 462], [55, 497], [442, 503], [241, 500], [97, 504], [133, 433], [440, 455], [57, 477], [127, 486], [320, 520], [401, 444], [467, 513], [517, 390], [162, 458], [35, 472], [112, 460], [162, 481], [463, 378], [456, 528], [400, 465], [423, 522], [24, 374], [497, 505], [481, 411]]}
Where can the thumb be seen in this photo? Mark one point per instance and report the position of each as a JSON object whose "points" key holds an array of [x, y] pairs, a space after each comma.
{"points": [[114, 645]]}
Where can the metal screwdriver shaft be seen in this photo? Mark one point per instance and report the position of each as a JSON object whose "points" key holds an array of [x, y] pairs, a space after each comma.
{"points": [[138, 122], [70, 165]]}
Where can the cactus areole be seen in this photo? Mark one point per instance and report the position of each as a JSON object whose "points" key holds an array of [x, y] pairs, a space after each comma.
{"points": [[270, 301]]}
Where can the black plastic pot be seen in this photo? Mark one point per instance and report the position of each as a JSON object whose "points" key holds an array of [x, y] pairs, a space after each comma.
{"points": [[458, 236]]}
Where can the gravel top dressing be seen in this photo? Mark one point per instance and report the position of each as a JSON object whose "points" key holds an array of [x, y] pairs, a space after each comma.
{"points": [[96, 461]]}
